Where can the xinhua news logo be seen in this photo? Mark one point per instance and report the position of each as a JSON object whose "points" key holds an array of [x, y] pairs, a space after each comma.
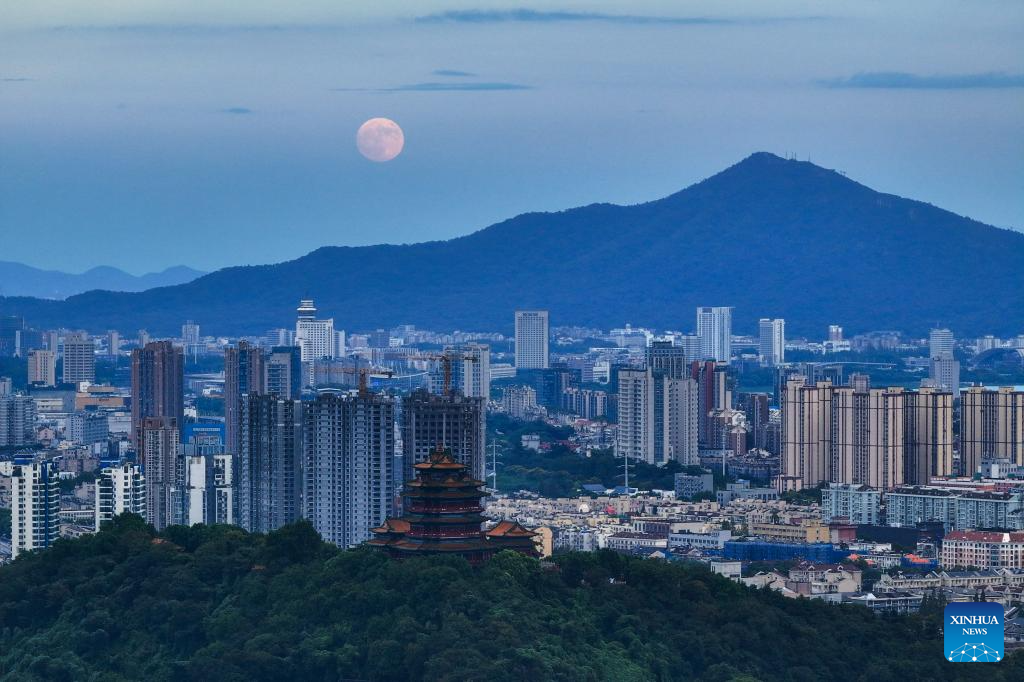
{"points": [[973, 632]]}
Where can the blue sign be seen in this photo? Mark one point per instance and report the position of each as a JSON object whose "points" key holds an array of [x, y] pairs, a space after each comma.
{"points": [[973, 632]]}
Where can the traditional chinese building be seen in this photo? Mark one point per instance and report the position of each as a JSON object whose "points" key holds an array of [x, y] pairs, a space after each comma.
{"points": [[444, 515]]}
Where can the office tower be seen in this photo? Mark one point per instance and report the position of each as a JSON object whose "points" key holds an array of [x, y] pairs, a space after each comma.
{"points": [[806, 433], [209, 487], [243, 373], [339, 343], [531, 339], [860, 382], [714, 328], [157, 391], [944, 373], [772, 342], [269, 462], [79, 359], [163, 470], [190, 334], [991, 427], [42, 367], [10, 327], [17, 420], [867, 437], [835, 333], [713, 393], [929, 435], [549, 384], [120, 489], [349, 453], [314, 337], [284, 372], [143, 338], [113, 343], [35, 507], [657, 417], [453, 421], [471, 369], [941, 343], [86, 428]]}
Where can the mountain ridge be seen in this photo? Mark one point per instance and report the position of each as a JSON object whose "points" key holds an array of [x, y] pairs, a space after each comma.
{"points": [[19, 279], [771, 236]]}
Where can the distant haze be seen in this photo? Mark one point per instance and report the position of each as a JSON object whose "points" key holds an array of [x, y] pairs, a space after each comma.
{"points": [[216, 133]]}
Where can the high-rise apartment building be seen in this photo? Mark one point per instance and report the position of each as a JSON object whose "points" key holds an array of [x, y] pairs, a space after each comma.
{"points": [[349, 453], [714, 328], [243, 373], [269, 462], [163, 469], [120, 489], [713, 393], [531, 339], [772, 342], [314, 337], [471, 369], [806, 433], [657, 417], [86, 428], [944, 373], [157, 387], [113, 343], [42, 367], [929, 434], [867, 437], [79, 359], [209, 488], [17, 420], [283, 372], [35, 507], [835, 333], [453, 421], [991, 427]]}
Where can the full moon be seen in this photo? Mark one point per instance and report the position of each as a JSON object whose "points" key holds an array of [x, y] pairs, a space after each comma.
{"points": [[380, 139]]}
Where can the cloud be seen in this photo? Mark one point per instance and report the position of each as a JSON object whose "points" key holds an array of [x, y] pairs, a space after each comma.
{"points": [[236, 110], [482, 16], [910, 81], [443, 87], [14, 79], [453, 73]]}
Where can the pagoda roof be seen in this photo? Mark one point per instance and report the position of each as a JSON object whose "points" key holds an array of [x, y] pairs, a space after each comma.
{"points": [[509, 529], [393, 526], [439, 460]]}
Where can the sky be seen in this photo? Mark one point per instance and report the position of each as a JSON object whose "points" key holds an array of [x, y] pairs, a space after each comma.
{"points": [[144, 134]]}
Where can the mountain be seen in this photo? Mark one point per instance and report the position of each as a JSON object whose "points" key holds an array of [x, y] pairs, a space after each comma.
{"points": [[23, 280], [217, 603], [770, 236]]}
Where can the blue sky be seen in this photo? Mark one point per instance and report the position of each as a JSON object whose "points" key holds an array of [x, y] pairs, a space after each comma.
{"points": [[213, 133]]}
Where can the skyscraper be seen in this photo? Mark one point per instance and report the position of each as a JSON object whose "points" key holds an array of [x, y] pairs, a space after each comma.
{"points": [[471, 369], [944, 373], [941, 343], [42, 367], [35, 507], [531, 339], [284, 376], [79, 359], [867, 437], [714, 328], [17, 420], [243, 373], [269, 462], [453, 421], [157, 391], [806, 433], [991, 427], [349, 453], [713, 393], [772, 342], [163, 470], [657, 416], [314, 337]]}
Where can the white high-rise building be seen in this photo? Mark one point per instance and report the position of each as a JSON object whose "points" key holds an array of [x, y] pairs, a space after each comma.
{"points": [[314, 337], [714, 328], [657, 417], [944, 373], [941, 343], [119, 490], [471, 369], [79, 359], [35, 507], [531, 339], [772, 342], [209, 489]]}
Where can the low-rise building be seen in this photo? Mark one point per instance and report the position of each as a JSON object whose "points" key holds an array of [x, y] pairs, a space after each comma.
{"points": [[858, 504], [983, 549], [807, 531], [889, 602], [688, 486]]}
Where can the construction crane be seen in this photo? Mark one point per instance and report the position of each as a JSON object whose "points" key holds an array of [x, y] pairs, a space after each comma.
{"points": [[446, 363], [364, 376]]}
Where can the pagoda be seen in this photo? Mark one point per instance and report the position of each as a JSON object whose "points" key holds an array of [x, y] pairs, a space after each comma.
{"points": [[444, 515]]}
